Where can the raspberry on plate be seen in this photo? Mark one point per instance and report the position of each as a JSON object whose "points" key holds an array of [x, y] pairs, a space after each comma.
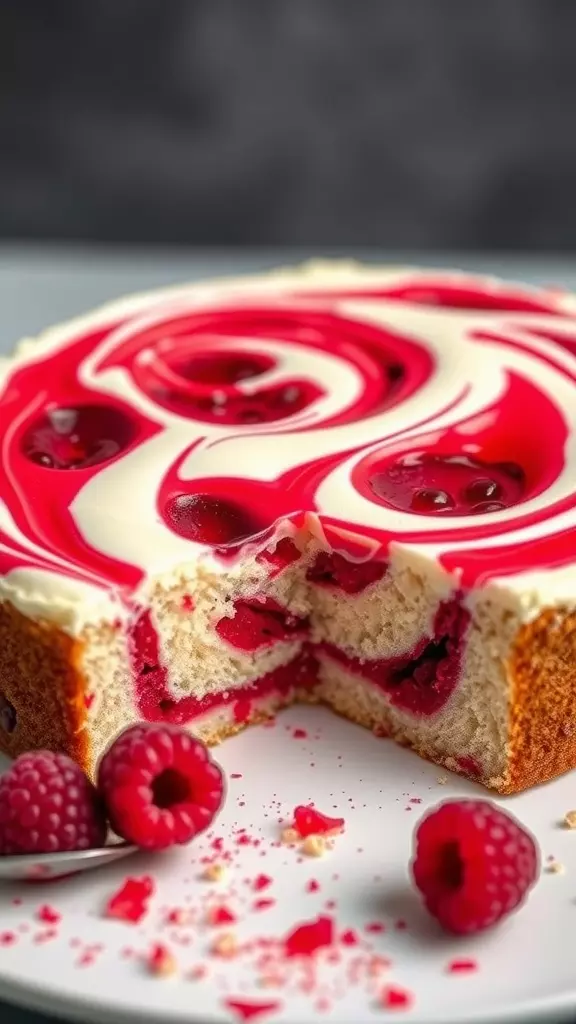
{"points": [[473, 863], [160, 785], [48, 805]]}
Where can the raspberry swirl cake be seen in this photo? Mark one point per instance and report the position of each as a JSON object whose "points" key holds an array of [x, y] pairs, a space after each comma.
{"points": [[332, 484]]}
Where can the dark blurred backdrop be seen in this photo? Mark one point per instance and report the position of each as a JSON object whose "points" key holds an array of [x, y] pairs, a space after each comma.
{"points": [[398, 123]]}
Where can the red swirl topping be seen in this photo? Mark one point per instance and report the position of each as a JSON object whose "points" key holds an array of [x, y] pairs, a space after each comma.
{"points": [[430, 409]]}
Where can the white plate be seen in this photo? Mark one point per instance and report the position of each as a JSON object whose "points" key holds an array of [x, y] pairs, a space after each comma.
{"points": [[526, 968]]}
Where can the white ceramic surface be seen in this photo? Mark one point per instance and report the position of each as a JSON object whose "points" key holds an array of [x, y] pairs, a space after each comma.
{"points": [[82, 966]]}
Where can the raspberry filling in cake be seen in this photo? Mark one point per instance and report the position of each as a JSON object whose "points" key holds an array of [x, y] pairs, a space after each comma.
{"points": [[422, 680], [338, 484]]}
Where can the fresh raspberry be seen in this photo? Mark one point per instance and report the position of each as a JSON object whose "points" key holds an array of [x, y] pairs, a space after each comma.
{"points": [[474, 864], [48, 805], [160, 785]]}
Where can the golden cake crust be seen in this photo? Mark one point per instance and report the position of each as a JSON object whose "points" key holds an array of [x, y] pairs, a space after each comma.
{"points": [[542, 674], [40, 679]]}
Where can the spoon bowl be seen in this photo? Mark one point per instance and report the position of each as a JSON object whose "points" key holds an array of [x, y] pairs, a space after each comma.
{"points": [[44, 867]]}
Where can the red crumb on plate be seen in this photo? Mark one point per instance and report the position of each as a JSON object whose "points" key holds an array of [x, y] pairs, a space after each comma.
{"points": [[48, 914], [160, 960], [310, 822], [197, 972], [394, 998], [246, 1009], [263, 904], [130, 902], [178, 916], [308, 938], [462, 966], [46, 936], [261, 882]]}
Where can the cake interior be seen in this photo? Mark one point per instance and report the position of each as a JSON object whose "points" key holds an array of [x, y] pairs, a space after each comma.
{"points": [[392, 648]]}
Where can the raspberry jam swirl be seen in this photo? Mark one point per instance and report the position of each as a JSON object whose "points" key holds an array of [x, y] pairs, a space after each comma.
{"points": [[429, 409]]}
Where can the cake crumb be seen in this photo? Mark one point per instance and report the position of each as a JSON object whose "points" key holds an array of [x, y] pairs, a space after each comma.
{"points": [[179, 916], [377, 964], [220, 915], [555, 868], [197, 973], [225, 945], [570, 819], [290, 836], [463, 965], [160, 961], [214, 873], [442, 780], [314, 846], [271, 981]]}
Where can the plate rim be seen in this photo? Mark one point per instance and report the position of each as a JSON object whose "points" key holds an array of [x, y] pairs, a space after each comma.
{"points": [[79, 1008]]}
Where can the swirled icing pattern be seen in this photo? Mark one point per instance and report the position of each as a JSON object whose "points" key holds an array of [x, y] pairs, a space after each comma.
{"points": [[426, 409]]}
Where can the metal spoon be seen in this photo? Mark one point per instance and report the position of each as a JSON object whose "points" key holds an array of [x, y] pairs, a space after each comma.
{"points": [[43, 867]]}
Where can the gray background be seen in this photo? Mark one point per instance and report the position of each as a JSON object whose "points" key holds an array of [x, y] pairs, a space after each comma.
{"points": [[413, 123]]}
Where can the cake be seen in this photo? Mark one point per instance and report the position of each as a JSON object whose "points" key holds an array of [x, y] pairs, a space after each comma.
{"points": [[333, 484]]}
